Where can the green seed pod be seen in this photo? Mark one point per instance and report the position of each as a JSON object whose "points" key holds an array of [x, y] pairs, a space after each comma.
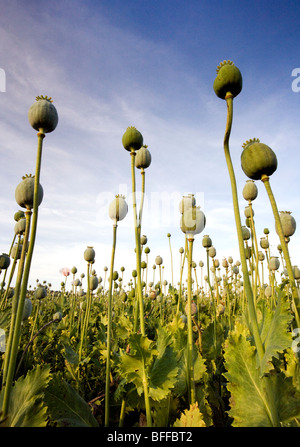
{"points": [[40, 293], [25, 191], [89, 254], [228, 80], [57, 316], [201, 263], [194, 309], [261, 256], [264, 243], [250, 190], [225, 263], [274, 263], [158, 260], [212, 251], [266, 231], [42, 115], [27, 309], [144, 240], [143, 264], [192, 221], [134, 273], [247, 212], [258, 159], [4, 261], [246, 233], [74, 270], [115, 276], [206, 241], [143, 158], [288, 223], [76, 282], [19, 215], [296, 272], [235, 269], [132, 139], [93, 282], [268, 291], [147, 250], [152, 294], [20, 226], [118, 208]]}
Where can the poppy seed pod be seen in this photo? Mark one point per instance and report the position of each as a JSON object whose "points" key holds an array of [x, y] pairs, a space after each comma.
{"points": [[274, 263], [4, 261], [250, 190], [206, 241], [258, 159], [194, 308], [264, 243], [118, 208], [246, 233], [20, 226], [24, 193], [228, 80], [158, 260], [143, 158], [27, 309], [261, 256], [144, 239], [93, 282], [192, 221], [296, 272], [132, 139], [89, 254], [247, 212], [40, 293], [186, 202], [19, 215], [212, 251], [42, 115], [288, 223]]}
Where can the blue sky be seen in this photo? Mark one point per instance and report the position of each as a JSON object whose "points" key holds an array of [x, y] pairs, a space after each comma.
{"points": [[151, 64]]}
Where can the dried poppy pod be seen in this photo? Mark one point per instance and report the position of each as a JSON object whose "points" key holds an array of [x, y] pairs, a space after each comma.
{"points": [[143, 158], [192, 221], [247, 212], [228, 80], [261, 256], [212, 251], [118, 208], [288, 223], [19, 215], [24, 192], [132, 139], [42, 115], [187, 202], [40, 293], [93, 282], [27, 309], [258, 159], [194, 308]]}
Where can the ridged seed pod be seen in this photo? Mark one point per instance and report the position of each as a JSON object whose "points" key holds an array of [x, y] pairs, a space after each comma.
{"points": [[42, 115], [89, 254], [192, 221], [250, 190], [132, 139], [143, 158], [118, 208], [228, 80], [258, 159], [288, 223]]}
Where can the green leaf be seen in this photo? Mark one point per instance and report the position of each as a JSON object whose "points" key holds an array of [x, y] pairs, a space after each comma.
{"points": [[274, 331], [190, 418], [65, 407], [248, 401], [287, 397], [133, 366], [27, 407], [163, 372]]}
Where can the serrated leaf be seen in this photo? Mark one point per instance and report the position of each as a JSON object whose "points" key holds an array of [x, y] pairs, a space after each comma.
{"points": [[190, 418], [274, 331], [27, 407], [287, 398], [245, 382], [65, 407], [163, 372]]}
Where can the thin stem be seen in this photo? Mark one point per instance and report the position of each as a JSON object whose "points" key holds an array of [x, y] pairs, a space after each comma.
{"points": [[17, 330], [109, 326], [265, 180], [247, 284], [191, 380]]}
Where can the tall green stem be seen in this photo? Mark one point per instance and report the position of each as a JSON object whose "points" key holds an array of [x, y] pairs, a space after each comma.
{"points": [[17, 328], [265, 180], [270, 404], [109, 326], [191, 380], [247, 284]]}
